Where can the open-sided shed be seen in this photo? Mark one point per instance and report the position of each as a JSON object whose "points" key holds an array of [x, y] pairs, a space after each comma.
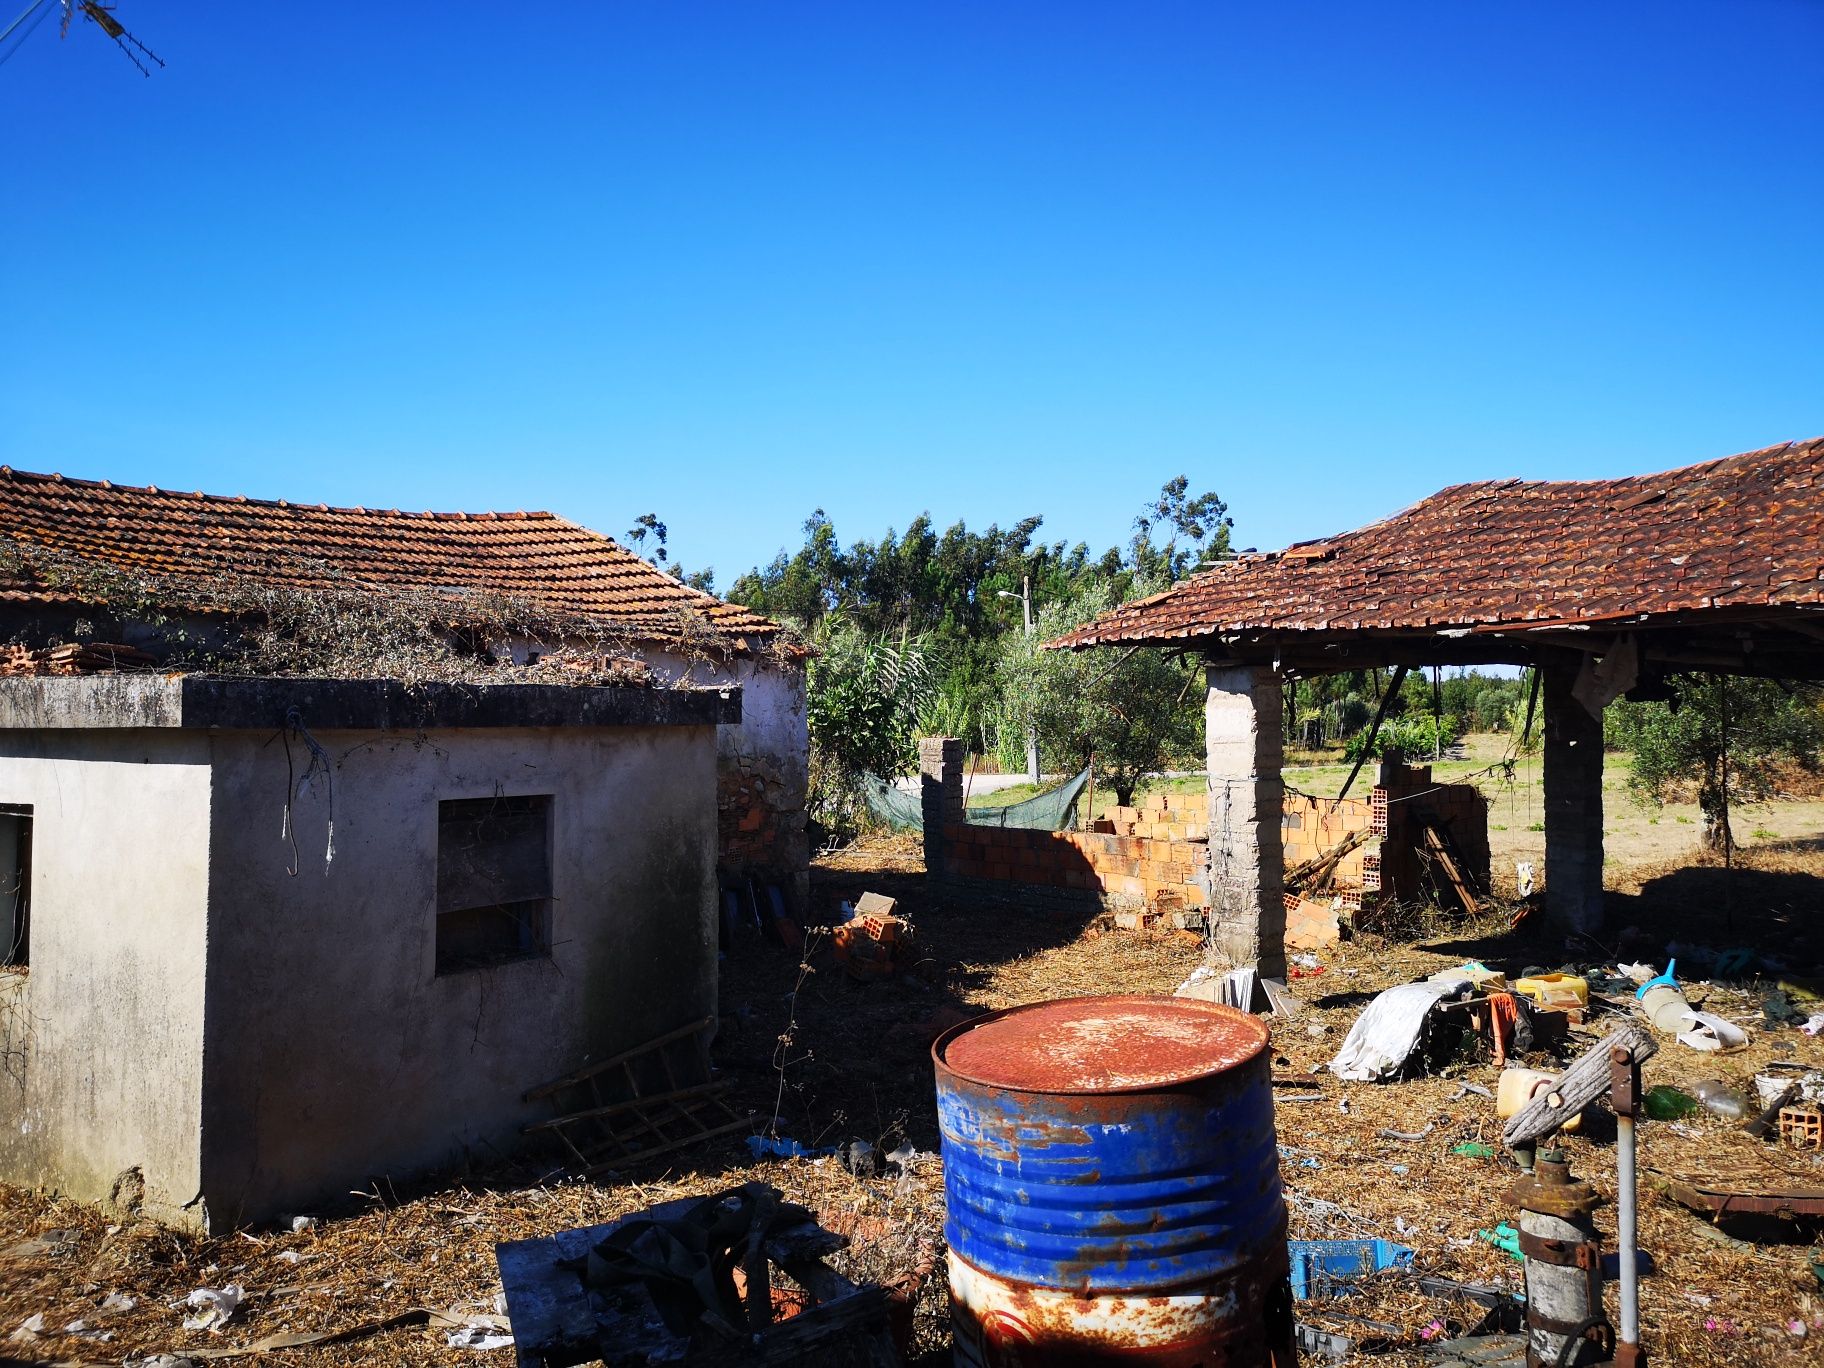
{"points": [[1605, 586]]}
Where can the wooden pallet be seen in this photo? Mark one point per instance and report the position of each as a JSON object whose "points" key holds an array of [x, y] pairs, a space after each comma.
{"points": [[610, 1114]]}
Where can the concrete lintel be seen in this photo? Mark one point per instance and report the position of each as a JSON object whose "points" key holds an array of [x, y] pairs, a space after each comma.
{"points": [[90, 702]]}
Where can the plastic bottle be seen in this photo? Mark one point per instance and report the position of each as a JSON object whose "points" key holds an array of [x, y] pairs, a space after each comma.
{"points": [[1721, 1100], [1666, 1103]]}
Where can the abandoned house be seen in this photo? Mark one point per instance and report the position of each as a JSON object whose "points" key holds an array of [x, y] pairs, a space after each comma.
{"points": [[271, 937], [1605, 586]]}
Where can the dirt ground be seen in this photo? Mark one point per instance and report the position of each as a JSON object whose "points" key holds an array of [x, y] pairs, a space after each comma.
{"points": [[856, 1066]]}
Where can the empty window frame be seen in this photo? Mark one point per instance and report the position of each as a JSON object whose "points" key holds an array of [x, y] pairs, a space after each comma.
{"points": [[493, 881], [15, 884]]}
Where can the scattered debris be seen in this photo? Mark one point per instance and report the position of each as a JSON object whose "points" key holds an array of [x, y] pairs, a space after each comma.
{"points": [[1388, 1030], [218, 1306], [667, 1278], [1802, 1127], [1410, 1137], [782, 1147], [1321, 1266], [484, 1332]]}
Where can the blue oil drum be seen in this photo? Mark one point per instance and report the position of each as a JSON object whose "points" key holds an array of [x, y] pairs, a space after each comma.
{"points": [[1112, 1187]]}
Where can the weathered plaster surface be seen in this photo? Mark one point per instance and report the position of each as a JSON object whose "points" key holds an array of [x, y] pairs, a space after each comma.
{"points": [[255, 1041], [103, 1038], [334, 1053]]}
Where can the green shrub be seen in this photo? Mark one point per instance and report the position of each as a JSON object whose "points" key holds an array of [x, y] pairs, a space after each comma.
{"points": [[1416, 738]]}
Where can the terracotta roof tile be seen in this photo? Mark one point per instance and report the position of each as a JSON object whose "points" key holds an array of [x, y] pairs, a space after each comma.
{"points": [[1743, 531], [537, 557]]}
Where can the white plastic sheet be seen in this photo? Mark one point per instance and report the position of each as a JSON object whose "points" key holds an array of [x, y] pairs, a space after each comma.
{"points": [[1387, 1031]]}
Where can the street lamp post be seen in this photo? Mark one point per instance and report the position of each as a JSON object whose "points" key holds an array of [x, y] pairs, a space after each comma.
{"points": [[1032, 735]]}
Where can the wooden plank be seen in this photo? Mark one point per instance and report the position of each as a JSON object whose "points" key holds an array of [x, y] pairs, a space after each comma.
{"points": [[1577, 1087], [1437, 843], [1374, 729], [1318, 870]]}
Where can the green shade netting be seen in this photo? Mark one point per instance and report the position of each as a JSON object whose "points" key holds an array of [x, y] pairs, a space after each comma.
{"points": [[1043, 812]]}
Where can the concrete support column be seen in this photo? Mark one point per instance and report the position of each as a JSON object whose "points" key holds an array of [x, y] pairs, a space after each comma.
{"points": [[1573, 805], [1245, 747], [940, 776]]}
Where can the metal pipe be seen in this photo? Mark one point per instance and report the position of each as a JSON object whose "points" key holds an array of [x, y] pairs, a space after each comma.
{"points": [[1626, 1230]]}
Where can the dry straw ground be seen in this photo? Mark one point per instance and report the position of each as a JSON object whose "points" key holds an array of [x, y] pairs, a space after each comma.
{"points": [[857, 1068]]}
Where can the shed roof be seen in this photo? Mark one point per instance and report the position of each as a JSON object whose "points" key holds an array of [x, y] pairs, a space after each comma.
{"points": [[1745, 532], [184, 540]]}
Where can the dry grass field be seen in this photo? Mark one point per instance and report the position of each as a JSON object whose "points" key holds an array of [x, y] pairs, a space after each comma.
{"points": [[857, 1067]]}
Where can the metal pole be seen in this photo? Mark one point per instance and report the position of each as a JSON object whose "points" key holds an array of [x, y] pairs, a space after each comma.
{"points": [[1626, 1230], [1032, 732], [1624, 1098]]}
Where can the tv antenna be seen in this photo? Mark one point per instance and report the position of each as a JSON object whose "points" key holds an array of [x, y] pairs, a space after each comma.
{"points": [[103, 17]]}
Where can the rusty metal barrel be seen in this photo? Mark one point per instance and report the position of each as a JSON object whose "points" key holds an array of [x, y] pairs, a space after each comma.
{"points": [[1112, 1186]]}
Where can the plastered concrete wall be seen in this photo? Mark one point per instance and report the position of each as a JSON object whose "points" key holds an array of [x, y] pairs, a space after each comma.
{"points": [[103, 1039], [334, 1052]]}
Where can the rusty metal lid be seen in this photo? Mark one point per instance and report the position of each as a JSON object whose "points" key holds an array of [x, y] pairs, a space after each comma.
{"points": [[1101, 1044]]}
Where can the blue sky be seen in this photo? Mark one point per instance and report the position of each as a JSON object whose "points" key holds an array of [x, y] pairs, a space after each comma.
{"points": [[731, 262]]}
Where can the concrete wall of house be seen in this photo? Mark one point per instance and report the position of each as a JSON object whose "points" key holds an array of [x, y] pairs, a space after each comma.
{"points": [[334, 1052], [102, 1038], [763, 766]]}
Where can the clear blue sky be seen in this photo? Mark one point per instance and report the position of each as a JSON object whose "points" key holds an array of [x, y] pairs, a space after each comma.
{"points": [[732, 262]]}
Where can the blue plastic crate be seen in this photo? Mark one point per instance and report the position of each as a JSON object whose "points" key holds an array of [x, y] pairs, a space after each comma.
{"points": [[1318, 1265]]}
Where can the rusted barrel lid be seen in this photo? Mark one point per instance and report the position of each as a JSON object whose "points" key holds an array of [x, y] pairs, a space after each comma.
{"points": [[1119, 1043]]}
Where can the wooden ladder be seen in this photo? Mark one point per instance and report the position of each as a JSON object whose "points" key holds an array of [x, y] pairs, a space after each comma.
{"points": [[609, 1118]]}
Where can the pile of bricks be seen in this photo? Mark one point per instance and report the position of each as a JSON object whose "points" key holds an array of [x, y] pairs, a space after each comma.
{"points": [[75, 658]]}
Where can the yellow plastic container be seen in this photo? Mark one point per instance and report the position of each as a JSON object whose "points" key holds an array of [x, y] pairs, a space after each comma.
{"points": [[1555, 990]]}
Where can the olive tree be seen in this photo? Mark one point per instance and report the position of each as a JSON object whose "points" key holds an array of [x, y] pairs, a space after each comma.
{"points": [[1714, 732], [1133, 710]]}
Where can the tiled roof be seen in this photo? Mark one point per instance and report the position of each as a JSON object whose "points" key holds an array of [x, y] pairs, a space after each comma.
{"points": [[1740, 532], [179, 539]]}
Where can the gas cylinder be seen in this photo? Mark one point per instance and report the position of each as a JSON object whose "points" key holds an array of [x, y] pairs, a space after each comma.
{"points": [[1563, 1267]]}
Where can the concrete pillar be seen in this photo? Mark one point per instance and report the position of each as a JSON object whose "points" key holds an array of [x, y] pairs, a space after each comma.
{"points": [[940, 775], [1573, 805], [1247, 861]]}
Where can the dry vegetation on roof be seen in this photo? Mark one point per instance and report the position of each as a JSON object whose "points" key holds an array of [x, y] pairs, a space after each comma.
{"points": [[337, 627]]}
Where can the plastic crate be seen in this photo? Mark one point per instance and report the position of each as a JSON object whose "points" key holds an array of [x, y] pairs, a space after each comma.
{"points": [[1318, 1266]]}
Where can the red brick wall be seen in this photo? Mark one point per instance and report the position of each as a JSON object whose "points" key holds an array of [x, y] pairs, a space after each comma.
{"points": [[1116, 867], [1159, 849]]}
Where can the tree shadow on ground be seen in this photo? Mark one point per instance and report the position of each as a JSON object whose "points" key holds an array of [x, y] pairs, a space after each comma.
{"points": [[1691, 912], [858, 1060]]}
